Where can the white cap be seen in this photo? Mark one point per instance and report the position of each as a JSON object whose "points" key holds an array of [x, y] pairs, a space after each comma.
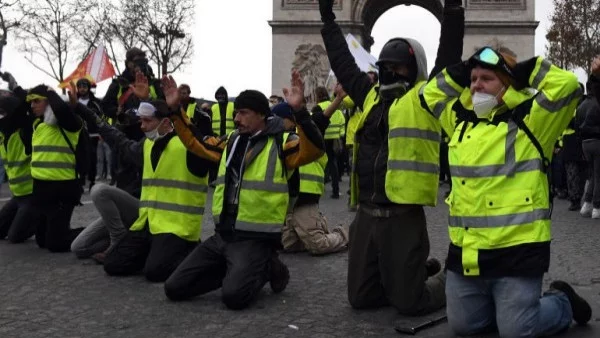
{"points": [[146, 110]]}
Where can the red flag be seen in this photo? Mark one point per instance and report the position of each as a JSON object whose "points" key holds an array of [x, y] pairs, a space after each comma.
{"points": [[96, 67]]}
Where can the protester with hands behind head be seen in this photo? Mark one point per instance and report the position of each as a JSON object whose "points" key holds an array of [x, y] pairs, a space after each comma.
{"points": [[501, 142]]}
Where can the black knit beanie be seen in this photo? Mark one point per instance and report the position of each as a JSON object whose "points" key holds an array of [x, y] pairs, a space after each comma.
{"points": [[253, 100]]}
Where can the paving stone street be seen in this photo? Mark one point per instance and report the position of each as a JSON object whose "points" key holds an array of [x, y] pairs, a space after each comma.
{"points": [[58, 295]]}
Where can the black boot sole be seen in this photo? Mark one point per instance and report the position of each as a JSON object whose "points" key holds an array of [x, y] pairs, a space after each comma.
{"points": [[582, 312]]}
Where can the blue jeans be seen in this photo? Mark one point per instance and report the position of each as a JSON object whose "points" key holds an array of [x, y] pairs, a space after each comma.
{"points": [[511, 305]]}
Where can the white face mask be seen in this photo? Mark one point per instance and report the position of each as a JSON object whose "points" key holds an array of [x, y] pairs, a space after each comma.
{"points": [[483, 103], [153, 134], [49, 117]]}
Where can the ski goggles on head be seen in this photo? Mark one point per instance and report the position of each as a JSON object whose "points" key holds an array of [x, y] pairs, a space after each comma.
{"points": [[487, 56]]}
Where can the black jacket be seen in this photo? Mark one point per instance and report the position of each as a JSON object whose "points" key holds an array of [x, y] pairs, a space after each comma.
{"points": [[590, 128], [373, 151], [572, 143], [95, 105]]}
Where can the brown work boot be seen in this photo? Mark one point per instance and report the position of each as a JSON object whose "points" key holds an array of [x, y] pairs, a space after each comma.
{"points": [[280, 275]]}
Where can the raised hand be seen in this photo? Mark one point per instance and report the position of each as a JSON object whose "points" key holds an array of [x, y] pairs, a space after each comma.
{"points": [[169, 87], [8, 78], [295, 95], [596, 66], [140, 88], [339, 91], [326, 9], [452, 3], [72, 93]]}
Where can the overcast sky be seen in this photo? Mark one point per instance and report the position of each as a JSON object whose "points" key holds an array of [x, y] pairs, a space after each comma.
{"points": [[233, 47]]}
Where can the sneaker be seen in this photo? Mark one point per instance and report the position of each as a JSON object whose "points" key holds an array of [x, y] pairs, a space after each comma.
{"points": [[582, 312], [595, 213], [574, 206], [433, 266], [586, 209], [280, 275]]}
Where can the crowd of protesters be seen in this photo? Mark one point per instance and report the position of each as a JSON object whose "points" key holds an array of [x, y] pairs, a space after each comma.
{"points": [[507, 136]]}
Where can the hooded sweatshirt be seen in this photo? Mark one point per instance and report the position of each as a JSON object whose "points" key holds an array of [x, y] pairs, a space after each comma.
{"points": [[372, 157]]}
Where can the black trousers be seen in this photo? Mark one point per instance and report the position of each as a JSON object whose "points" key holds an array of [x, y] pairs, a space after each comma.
{"points": [[54, 230], [18, 219], [332, 166], [156, 255], [386, 262], [576, 176], [240, 269], [591, 150]]}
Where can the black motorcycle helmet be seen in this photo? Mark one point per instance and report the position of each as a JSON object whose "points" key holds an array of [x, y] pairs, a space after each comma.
{"points": [[396, 51]]}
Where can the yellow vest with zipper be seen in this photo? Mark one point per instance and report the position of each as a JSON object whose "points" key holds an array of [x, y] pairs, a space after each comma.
{"points": [[172, 199], [500, 192], [17, 164], [51, 157], [263, 198], [216, 119], [413, 150]]}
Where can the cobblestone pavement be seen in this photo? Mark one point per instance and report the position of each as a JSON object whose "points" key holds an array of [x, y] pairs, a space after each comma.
{"points": [[57, 295]]}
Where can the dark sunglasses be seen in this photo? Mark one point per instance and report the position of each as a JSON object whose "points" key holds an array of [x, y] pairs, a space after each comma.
{"points": [[489, 57]]}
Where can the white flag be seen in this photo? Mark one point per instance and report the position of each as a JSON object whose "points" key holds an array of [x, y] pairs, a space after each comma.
{"points": [[364, 60]]}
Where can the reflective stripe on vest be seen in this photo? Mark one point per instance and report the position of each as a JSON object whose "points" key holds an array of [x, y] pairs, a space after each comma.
{"points": [[172, 199], [413, 152], [17, 164], [191, 109], [494, 203], [337, 123], [216, 119], [312, 176], [51, 157], [263, 197]]}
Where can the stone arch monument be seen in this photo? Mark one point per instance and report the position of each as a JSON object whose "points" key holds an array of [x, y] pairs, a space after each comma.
{"points": [[297, 41]]}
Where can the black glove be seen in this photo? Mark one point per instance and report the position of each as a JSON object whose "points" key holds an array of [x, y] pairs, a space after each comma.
{"points": [[452, 3], [326, 9], [522, 71], [8, 78]]}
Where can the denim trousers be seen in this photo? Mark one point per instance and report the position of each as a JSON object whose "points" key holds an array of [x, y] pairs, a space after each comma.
{"points": [[510, 305]]}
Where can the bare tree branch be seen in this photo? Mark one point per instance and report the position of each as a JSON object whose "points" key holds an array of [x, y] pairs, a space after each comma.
{"points": [[574, 32], [47, 34]]}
